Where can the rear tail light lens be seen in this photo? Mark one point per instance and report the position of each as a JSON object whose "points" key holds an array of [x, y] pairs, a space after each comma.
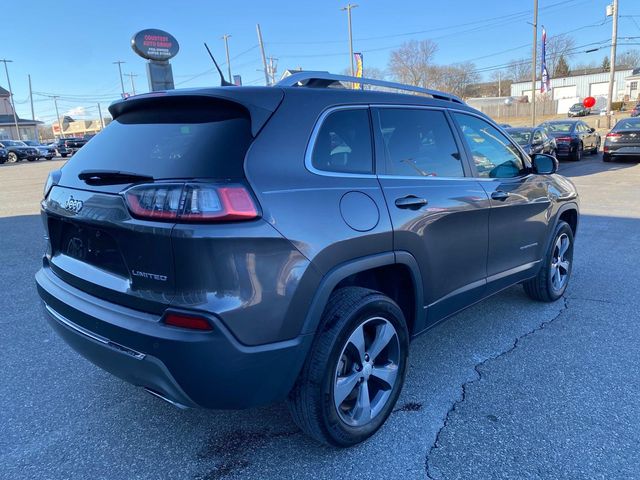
{"points": [[191, 202], [613, 135], [182, 320], [563, 139]]}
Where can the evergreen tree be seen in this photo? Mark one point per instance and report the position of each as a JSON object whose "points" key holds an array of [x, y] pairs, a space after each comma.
{"points": [[606, 64], [562, 68]]}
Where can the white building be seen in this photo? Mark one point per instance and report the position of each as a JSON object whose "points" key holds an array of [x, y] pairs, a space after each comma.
{"points": [[575, 88]]}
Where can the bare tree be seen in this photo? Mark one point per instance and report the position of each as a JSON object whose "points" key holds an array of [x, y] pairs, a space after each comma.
{"points": [[558, 46], [454, 78], [519, 70], [412, 62], [629, 59]]}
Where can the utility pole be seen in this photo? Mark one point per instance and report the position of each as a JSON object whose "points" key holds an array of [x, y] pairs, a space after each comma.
{"points": [[225, 37], [264, 58], [533, 63], [55, 102], [33, 115], [273, 66], [133, 85], [612, 60], [499, 83], [13, 104], [100, 114], [119, 63], [348, 8]]}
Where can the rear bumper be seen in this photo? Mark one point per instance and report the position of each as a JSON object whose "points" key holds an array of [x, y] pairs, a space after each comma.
{"points": [[189, 368], [621, 150]]}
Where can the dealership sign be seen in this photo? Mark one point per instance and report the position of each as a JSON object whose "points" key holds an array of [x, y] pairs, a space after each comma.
{"points": [[154, 44]]}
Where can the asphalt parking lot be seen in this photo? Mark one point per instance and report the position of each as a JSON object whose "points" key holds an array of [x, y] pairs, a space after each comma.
{"points": [[507, 389]]}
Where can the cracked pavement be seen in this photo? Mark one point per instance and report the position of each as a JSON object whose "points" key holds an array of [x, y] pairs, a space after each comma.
{"points": [[507, 389]]}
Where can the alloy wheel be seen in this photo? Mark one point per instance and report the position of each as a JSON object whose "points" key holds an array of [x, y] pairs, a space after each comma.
{"points": [[367, 371], [12, 158], [560, 262]]}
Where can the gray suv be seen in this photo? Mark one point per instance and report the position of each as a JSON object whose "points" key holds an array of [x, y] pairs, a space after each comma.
{"points": [[230, 247]]}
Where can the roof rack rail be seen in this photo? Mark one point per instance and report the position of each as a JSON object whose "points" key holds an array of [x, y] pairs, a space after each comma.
{"points": [[318, 79]]}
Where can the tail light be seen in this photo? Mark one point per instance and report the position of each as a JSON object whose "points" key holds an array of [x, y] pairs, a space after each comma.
{"points": [[563, 139], [191, 202], [182, 320], [613, 135]]}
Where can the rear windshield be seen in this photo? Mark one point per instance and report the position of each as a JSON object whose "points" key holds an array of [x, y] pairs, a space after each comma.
{"points": [[208, 141], [522, 137], [560, 127], [628, 124]]}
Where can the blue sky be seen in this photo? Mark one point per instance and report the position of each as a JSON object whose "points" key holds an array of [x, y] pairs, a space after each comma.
{"points": [[68, 47]]}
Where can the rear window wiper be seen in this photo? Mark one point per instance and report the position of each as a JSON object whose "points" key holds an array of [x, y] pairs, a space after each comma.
{"points": [[112, 177]]}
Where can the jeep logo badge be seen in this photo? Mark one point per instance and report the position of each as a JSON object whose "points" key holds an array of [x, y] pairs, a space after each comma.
{"points": [[72, 205]]}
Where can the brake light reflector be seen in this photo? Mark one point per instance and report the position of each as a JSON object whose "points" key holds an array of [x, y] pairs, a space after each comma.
{"points": [[563, 139], [613, 135], [191, 202], [186, 321]]}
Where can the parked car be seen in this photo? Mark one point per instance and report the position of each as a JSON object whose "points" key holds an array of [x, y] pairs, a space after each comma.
{"points": [[74, 144], [533, 140], [225, 280], [623, 140], [578, 110], [635, 111], [18, 150], [61, 148], [4, 155], [44, 151], [573, 138]]}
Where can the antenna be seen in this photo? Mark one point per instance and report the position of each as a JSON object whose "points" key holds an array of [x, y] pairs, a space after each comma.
{"points": [[223, 82]]}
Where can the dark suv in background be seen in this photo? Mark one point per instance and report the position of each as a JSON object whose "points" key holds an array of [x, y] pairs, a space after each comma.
{"points": [[230, 247]]}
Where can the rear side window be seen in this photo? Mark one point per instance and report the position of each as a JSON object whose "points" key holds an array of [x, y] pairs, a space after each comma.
{"points": [[343, 143], [419, 142], [206, 140]]}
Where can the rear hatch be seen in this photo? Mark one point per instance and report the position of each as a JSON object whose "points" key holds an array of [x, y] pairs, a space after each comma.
{"points": [[163, 159]]}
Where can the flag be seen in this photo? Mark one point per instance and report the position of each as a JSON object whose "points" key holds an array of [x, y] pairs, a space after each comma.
{"points": [[358, 72], [545, 81]]}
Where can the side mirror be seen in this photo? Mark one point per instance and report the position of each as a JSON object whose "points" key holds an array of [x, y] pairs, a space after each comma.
{"points": [[592, 129], [544, 164]]}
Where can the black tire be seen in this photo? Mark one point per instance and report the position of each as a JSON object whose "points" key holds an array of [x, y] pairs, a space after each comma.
{"points": [[312, 402], [606, 157], [576, 156], [542, 287], [64, 155], [12, 157], [31, 159]]}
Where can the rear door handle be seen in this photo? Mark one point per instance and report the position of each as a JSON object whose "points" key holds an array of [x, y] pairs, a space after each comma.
{"points": [[411, 202], [500, 195]]}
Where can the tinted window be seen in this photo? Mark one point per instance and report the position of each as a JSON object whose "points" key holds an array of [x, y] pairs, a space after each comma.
{"points": [[419, 142], [560, 126], [343, 143], [537, 136], [493, 153], [523, 137], [170, 142], [628, 124]]}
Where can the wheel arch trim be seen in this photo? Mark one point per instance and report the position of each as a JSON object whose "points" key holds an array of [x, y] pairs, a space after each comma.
{"points": [[334, 276]]}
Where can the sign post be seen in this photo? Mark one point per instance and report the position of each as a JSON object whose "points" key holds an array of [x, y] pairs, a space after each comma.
{"points": [[158, 47]]}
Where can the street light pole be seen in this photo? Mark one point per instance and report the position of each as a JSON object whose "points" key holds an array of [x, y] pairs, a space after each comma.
{"points": [[133, 85], [225, 37], [119, 63], [533, 63], [13, 103], [348, 8], [55, 102], [612, 60]]}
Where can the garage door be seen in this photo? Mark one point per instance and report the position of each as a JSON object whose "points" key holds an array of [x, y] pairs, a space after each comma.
{"points": [[599, 89], [564, 92]]}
